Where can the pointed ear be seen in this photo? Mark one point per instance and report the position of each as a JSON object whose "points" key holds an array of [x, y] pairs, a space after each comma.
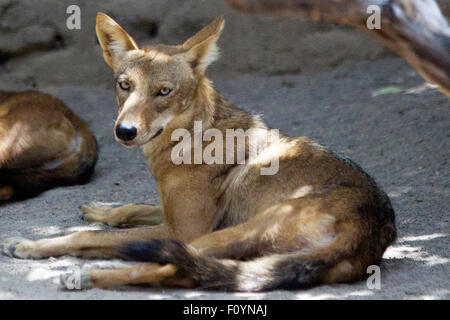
{"points": [[201, 49], [114, 40]]}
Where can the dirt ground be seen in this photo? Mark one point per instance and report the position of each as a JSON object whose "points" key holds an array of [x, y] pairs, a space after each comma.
{"points": [[376, 113]]}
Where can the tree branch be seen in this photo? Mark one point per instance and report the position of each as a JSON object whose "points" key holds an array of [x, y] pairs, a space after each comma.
{"points": [[415, 29]]}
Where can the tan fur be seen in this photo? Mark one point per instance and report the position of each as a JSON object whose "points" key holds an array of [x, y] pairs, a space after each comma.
{"points": [[42, 144], [318, 209], [129, 215]]}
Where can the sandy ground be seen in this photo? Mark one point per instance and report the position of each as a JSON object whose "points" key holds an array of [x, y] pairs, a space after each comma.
{"points": [[402, 139]]}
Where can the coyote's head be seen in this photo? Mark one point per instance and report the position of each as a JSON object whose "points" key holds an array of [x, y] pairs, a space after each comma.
{"points": [[155, 85]]}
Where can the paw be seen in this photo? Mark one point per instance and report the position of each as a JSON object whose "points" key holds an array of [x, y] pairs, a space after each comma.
{"points": [[19, 248], [75, 280], [96, 214]]}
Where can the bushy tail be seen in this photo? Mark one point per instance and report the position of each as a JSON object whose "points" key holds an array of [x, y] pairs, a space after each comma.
{"points": [[278, 271]]}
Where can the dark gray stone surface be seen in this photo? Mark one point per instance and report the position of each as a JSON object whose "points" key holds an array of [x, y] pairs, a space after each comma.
{"points": [[37, 49]]}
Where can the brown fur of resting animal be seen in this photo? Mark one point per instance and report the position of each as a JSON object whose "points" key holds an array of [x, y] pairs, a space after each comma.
{"points": [[318, 219], [42, 145]]}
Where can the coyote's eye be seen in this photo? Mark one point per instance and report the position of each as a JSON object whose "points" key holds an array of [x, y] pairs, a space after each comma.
{"points": [[164, 91], [124, 85]]}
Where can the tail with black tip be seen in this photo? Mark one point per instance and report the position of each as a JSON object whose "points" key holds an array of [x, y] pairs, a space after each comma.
{"points": [[278, 271]]}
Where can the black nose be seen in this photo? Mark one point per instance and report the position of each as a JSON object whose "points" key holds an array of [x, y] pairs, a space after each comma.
{"points": [[126, 133]]}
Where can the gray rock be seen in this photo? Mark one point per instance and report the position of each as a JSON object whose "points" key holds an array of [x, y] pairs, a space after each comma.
{"points": [[36, 44]]}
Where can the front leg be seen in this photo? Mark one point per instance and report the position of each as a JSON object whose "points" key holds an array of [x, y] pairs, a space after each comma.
{"points": [[130, 215], [87, 244], [144, 273]]}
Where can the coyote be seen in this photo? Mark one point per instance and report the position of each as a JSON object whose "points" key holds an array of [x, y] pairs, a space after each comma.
{"points": [[42, 145], [319, 219]]}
